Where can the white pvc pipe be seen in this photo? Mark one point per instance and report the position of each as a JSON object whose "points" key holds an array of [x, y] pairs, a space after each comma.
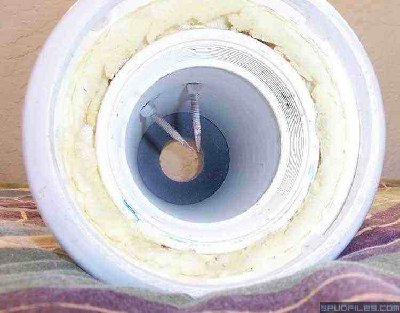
{"points": [[83, 242]]}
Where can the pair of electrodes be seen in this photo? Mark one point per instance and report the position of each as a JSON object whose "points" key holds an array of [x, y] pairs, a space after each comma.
{"points": [[193, 90]]}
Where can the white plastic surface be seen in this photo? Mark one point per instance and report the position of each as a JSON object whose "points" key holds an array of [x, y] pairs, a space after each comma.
{"points": [[83, 243]]}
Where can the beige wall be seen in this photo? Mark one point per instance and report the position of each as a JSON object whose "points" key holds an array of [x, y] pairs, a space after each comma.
{"points": [[25, 24]]}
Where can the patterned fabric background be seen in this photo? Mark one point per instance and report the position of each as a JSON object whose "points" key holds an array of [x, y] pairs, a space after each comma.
{"points": [[36, 275]]}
